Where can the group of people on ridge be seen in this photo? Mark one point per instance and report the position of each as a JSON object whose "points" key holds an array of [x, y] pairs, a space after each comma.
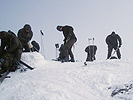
{"points": [[113, 41], [12, 47], [69, 40]]}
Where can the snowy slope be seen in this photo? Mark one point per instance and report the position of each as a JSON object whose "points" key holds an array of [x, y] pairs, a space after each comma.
{"points": [[51, 80]]}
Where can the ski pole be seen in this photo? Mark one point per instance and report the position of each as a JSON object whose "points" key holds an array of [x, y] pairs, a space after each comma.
{"points": [[42, 45]]}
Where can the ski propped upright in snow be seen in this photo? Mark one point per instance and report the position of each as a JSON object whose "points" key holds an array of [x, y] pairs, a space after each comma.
{"points": [[4, 75]]}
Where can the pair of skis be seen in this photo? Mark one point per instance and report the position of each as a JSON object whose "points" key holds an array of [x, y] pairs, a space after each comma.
{"points": [[5, 75]]}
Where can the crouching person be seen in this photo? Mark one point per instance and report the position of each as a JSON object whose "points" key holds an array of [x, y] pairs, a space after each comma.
{"points": [[10, 51], [35, 46], [91, 52], [61, 54]]}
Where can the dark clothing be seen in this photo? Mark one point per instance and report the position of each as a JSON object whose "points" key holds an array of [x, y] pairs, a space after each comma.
{"points": [[110, 49], [10, 50], [91, 52], [61, 54], [68, 49], [35, 47], [69, 40], [113, 41], [68, 33], [25, 37]]}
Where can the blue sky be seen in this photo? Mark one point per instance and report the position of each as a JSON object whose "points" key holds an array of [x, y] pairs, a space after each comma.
{"points": [[89, 18]]}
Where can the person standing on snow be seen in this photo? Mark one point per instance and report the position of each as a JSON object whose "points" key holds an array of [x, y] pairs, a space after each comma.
{"points": [[69, 40], [10, 51], [91, 51], [112, 42], [25, 34]]}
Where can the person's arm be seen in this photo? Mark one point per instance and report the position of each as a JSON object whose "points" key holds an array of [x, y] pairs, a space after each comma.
{"points": [[119, 40]]}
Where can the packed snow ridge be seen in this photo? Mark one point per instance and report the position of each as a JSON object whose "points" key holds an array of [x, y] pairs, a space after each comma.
{"points": [[52, 80]]}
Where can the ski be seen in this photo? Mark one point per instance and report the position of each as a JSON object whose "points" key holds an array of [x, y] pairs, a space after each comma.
{"points": [[4, 75], [121, 89], [21, 62]]}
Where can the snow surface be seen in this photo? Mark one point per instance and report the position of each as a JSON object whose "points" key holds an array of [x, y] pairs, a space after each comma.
{"points": [[52, 80]]}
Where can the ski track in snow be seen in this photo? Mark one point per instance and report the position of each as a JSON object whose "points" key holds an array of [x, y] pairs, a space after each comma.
{"points": [[52, 80]]}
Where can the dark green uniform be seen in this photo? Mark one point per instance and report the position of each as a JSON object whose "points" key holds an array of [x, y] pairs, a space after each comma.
{"points": [[114, 42], [25, 36], [10, 50], [91, 51], [69, 40]]}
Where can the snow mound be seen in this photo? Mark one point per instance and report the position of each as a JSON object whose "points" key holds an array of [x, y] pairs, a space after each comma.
{"points": [[52, 80]]}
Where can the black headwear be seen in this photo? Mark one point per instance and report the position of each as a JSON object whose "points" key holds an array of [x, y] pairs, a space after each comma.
{"points": [[113, 32], [27, 27], [58, 28]]}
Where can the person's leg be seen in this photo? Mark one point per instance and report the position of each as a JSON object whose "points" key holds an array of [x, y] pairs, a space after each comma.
{"points": [[67, 48], [118, 53], [71, 54], [109, 52]]}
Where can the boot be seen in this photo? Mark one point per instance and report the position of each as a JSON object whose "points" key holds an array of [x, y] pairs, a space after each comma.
{"points": [[65, 59], [72, 60]]}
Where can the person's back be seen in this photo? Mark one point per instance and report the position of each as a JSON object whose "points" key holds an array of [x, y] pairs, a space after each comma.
{"points": [[35, 47], [11, 49], [68, 32], [114, 42], [91, 49], [91, 52]]}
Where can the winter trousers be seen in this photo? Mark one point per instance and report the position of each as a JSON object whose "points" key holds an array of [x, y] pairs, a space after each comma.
{"points": [[66, 51], [110, 51]]}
